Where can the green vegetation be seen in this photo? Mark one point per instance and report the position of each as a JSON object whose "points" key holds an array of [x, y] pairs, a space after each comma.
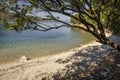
{"points": [[75, 21], [110, 17]]}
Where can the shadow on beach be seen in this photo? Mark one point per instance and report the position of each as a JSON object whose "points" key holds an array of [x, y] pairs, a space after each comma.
{"points": [[92, 63]]}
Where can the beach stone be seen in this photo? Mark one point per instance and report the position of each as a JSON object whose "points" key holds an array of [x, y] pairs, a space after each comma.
{"points": [[118, 65], [73, 71], [76, 68], [71, 78], [23, 59]]}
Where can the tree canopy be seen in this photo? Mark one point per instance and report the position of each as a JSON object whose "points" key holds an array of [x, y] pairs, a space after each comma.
{"points": [[95, 15]]}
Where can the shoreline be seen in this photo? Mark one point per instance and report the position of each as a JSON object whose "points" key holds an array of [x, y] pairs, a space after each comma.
{"points": [[43, 65], [8, 60], [47, 55], [47, 66], [51, 55]]}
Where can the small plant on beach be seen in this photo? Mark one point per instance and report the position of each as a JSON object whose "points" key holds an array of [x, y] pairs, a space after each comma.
{"points": [[95, 15]]}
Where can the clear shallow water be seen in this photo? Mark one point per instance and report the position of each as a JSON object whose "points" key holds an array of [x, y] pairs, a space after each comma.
{"points": [[33, 44]]}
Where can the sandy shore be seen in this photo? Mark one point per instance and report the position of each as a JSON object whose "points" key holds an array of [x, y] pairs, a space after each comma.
{"points": [[52, 66]]}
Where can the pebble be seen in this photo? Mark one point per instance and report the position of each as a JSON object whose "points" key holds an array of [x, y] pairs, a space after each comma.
{"points": [[71, 78], [76, 68], [73, 71], [118, 65], [23, 59]]}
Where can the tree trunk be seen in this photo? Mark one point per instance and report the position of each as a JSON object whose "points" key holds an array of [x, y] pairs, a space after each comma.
{"points": [[112, 44]]}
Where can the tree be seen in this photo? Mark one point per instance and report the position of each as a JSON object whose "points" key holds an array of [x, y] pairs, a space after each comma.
{"points": [[94, 15]]}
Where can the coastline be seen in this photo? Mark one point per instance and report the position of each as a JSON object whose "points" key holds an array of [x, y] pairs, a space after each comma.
{"points": [[67, 52], [16, 61], [39, 68], [45, 61]]}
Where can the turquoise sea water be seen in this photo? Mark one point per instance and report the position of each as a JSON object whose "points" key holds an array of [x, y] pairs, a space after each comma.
{"points": [[33, 43]]}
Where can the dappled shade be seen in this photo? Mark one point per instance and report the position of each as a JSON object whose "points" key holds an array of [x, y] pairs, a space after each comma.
{"points": [[97, 62], [91, 63]]}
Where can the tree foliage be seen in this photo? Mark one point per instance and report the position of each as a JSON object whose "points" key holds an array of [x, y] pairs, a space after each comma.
{"points": [[95, 15]]}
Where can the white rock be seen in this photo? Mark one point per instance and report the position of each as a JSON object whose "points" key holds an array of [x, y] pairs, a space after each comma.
{"points": [[23, 59]]}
